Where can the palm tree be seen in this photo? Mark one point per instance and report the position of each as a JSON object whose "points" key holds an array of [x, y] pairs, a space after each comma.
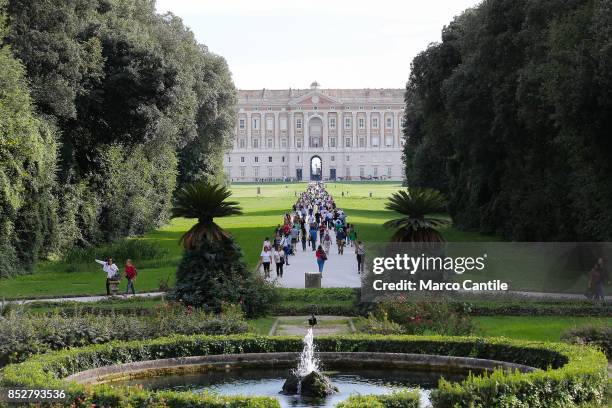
{"points": [[415, 226], [205, 202]]}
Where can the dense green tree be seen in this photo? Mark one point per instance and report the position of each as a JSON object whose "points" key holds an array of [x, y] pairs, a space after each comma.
{"points": [[510, 115], [27, 161], [128, 94]]}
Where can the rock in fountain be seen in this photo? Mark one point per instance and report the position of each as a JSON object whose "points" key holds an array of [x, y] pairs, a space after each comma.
{"points": [[306, 380]]}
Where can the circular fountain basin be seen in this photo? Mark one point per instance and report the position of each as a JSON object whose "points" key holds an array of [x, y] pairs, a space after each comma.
{"points": [[263, 374]]}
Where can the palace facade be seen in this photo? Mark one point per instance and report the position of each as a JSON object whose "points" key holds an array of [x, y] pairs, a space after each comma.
{"points": [[317, 134]]}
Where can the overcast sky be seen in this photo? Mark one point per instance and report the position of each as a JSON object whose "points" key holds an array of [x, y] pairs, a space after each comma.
{"points": [[278, 44]]}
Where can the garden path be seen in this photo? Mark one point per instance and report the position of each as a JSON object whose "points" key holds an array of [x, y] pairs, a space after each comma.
{"points": [[340, 271]]}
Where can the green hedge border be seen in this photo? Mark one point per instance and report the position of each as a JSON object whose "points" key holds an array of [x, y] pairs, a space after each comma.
{"points": [[569, 374]]}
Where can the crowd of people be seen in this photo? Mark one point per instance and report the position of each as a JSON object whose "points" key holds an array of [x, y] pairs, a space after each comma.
{"points": [[313, 224]]}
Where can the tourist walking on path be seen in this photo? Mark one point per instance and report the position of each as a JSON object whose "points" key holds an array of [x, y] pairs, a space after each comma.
{"points": [[130, 274], [313, 236], [321, 258], [327, 242], [279, 261], [340, 237], [597, 280], [304, 236], [265, 259], [111, 271], [360, 253]]}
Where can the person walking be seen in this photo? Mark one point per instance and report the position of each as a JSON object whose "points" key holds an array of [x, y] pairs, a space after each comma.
{"points": [[313, 236], [111, 271], [353, 235], [287, 247], [340, 237], [327, 242], [360, 253], [304, 236], [130, 274], [321, 258], [265, 259], [295, 233], [279, 261], [598, 280]]}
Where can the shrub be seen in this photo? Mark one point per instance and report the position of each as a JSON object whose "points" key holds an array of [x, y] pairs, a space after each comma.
{"points": [[121, 250], [424, 317], [400, 399], [600, 336], [383, 325], [568, 375], [214, 273], [22, 335]]}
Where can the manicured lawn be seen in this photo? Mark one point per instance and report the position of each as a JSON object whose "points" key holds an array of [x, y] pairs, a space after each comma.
{"points": [[263, 211], [548, 328], [263, 325]]}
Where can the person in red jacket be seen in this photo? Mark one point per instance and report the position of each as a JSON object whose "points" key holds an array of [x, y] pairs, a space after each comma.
{"points": [[130, 274]]}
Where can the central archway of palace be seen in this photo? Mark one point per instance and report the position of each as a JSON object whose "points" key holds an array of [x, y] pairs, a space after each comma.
{"points": [[316, 168]]}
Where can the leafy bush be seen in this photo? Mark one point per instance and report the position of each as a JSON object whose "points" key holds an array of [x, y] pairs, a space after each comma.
{"points": [[213, 273], [22, 335], [600, 336], [568, 375], [383, 325], [400, 399], [424, 317], [121, 250]]}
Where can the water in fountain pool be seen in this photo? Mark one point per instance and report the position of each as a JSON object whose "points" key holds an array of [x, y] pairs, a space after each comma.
{"points": [[268, 382]]}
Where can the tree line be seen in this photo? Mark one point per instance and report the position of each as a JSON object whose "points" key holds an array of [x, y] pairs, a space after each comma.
{"points": [[510, 116], [106, 107]]}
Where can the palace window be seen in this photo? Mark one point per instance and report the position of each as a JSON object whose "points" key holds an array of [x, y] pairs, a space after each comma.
{"points": [[347, 142], [269, 171], [375, 171], [389, 141], [229, 158], [347, 123], [256, 143], [332, 142], [283, 159], [283, 123], [348, 158], [269, 159], [298, 123], [332, 158], [362, 171], [375, 141], [285, 171], [361, 123], [389, 171], [256, 171], [389, 123], [375, 123], [242, 143], [255, 123], [298, 143], [241, 124], [347, 172], [298, 159], [269, 123], [256, 159], [362, 142], [332, 123], [242, 159], [269, 143], [242, 171], [284, 142]]}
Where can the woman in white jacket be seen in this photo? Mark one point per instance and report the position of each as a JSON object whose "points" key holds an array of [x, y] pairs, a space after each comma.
{"points": [[111, 270]]}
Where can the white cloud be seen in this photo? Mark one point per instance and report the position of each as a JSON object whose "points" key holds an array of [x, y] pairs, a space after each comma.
{"points": [[340, 43]]}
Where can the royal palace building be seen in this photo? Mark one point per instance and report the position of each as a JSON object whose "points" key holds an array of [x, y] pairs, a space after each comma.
{"points": [[317, 134]]}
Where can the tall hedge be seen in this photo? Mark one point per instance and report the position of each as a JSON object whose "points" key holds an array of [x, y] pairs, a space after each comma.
{"points": [[510, 113]]}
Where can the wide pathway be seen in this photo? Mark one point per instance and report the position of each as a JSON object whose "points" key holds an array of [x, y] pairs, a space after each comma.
{"points": [[340, 271]]}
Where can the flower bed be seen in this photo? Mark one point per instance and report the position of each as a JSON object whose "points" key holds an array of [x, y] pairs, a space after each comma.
{"points": [[568, 374]]}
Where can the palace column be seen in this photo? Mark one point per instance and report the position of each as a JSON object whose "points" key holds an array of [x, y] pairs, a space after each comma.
{"points": [[305, 132], [249, 144], [325, 141], [368, 127], [353, 129]]}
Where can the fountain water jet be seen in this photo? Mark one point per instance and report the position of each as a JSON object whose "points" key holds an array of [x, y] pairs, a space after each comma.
{"points": [[306, 379]]}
